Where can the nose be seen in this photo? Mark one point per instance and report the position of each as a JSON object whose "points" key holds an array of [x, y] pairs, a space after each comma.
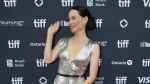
{"points": [[70, 22]]}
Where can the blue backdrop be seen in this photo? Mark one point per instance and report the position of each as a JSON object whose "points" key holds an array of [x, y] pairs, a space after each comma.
{"points": [[123, 32]]}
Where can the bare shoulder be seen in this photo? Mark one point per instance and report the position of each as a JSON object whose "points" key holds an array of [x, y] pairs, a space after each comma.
{"points": [[96, 48], [59, 41], [62, 39]]}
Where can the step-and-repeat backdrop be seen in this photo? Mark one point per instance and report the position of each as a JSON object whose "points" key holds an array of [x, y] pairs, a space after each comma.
{"points": [[122, 31]]}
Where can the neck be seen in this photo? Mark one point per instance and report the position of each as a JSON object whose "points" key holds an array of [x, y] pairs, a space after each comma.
{"points": [[80, 35]]}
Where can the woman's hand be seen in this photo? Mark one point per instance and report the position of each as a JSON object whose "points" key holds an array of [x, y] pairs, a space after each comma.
{"points": [[53, 28]]}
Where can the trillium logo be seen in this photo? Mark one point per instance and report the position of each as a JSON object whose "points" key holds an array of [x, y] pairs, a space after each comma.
{"points": [[129, 62], [38, 5]]}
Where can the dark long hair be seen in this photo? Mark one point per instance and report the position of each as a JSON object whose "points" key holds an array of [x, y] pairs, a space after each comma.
{"points": [[83, 11]]}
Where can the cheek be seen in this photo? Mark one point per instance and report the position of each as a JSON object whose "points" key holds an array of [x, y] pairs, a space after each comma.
{"points": [[79, 23]]}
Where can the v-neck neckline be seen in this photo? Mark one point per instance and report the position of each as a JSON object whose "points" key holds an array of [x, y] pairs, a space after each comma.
{"points": [[78, 52]]}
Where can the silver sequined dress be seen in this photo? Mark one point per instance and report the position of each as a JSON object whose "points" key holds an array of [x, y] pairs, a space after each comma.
{"points": [[77, 66]]}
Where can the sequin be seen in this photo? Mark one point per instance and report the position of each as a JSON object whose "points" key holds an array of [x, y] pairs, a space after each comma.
{"points": [[77, 66]]}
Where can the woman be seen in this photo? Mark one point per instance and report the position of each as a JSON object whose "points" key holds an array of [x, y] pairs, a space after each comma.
{"points": [[75, 53]]}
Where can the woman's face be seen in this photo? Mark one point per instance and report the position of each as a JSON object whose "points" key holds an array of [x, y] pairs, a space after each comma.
{"points": [[76, 22]]}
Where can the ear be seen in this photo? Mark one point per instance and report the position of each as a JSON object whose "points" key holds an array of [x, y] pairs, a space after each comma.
{"points": [[85, 19]]}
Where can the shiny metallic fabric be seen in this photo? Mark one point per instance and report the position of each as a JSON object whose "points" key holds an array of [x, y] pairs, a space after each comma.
{"points": [[77, 66]]}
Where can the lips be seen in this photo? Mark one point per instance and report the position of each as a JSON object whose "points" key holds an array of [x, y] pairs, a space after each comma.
{"points": [[71, 27]]}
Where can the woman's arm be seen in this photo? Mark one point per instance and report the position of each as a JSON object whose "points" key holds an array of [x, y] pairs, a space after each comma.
{"points": [[49, 54], [94, 61]]}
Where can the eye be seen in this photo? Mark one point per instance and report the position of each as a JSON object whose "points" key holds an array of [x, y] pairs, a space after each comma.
{"points": [[73, 18], [68, 19]]}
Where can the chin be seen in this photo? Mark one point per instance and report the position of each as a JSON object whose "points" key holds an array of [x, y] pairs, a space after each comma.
{"points": [[73, 31]]}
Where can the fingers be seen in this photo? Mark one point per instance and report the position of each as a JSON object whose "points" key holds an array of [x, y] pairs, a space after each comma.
{"points": [[51, 25], [58, 22], [55, 24]]}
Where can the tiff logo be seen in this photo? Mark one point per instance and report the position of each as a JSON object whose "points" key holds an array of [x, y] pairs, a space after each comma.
{"points": [[40, 63], [99, 22], [123, 43], [10, 3], [39, 23], [146, 3], [100, 61], [146, 62], [147, 24], [17, 80], [124, 3], [13, 43], [144, 79], [67, 2], [121, 80]]}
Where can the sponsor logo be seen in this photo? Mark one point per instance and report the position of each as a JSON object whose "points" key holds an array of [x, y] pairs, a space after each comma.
{"points": [[89, 2], [37, 44], [146, 3], [64, 23], [144, 80], [128, 62], [102, 43], [11, 23], [144, 44], [99, 80], [96, 3], [15, 63]]}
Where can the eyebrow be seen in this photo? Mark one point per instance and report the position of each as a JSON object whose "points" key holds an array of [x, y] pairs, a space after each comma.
{"points": [[72, 16]]}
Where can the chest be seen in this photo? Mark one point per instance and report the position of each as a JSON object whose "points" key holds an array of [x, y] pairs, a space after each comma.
{"points": [[82, 53]]}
